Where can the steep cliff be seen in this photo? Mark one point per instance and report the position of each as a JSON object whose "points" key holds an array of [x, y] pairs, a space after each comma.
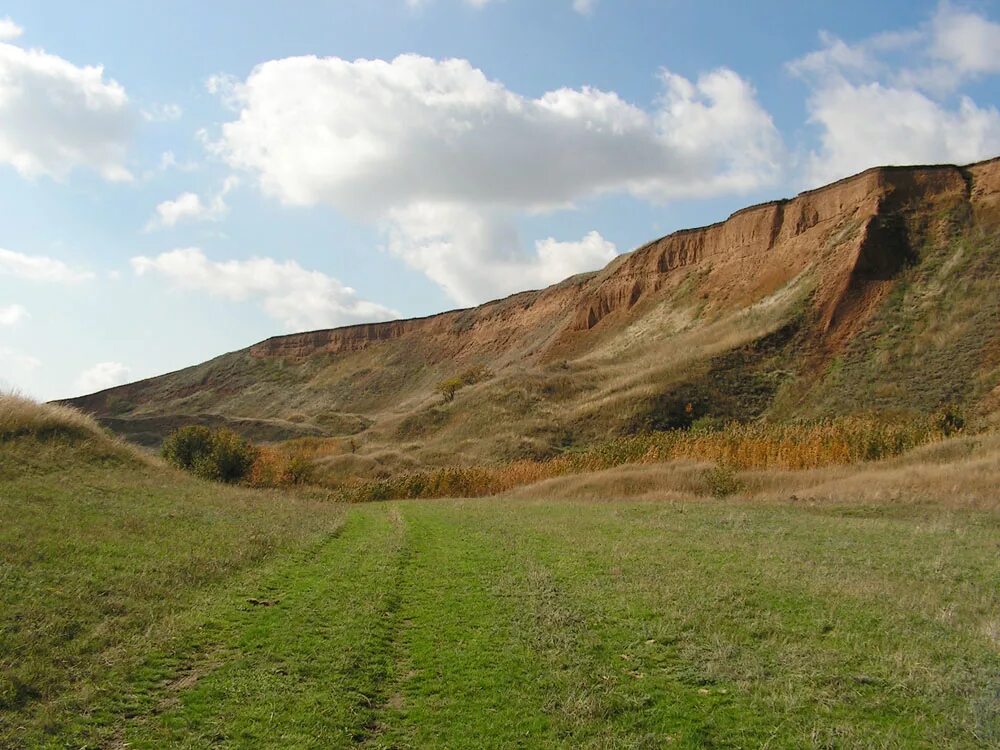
{"points": [[794, 307]]}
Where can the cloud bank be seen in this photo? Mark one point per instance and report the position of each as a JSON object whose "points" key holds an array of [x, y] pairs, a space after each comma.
{"points": [[299, 298], [894, 98], [443, 158], [56, 116], [102, 375]]}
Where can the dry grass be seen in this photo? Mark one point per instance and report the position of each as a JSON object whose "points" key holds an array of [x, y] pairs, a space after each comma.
{"points": [[824, 443], [22, 418], [20, 415], [962, 472]]}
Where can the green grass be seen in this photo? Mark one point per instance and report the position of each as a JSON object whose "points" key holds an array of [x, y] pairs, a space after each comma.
{"points": [[931, 344], [140, 608], [103, 554]]}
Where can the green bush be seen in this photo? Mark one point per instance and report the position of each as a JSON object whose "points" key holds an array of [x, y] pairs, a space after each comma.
{"points": [[186, 446], [220, 455], [950, 421], [722, 482]]}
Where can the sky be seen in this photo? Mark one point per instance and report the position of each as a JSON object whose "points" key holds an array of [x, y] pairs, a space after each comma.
{"points": [[183, 179]]}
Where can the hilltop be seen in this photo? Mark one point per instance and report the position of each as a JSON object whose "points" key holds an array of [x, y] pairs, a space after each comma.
{"points": [[877, 293]]}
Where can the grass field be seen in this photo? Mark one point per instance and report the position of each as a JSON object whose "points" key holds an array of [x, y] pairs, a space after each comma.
{"points": [[140, 608]]}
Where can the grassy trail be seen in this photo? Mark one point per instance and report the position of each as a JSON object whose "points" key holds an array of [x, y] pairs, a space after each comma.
{"points": [[141, 609], [491, 624]]}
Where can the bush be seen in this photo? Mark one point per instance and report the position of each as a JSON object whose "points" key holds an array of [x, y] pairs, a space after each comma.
{"points": [[186, 446], [220, 455], [722, 482], [950, 422], [448, 388]]}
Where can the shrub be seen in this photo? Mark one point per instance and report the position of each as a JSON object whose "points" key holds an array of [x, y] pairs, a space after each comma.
{"points": [[279, 467], [722, 482], [950, 421], [220, 455], [448, 388], [186, 446], [475, 374]]}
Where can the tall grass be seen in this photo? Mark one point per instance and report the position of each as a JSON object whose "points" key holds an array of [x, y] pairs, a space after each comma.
{"points": [[21, 416], [829, 442]]}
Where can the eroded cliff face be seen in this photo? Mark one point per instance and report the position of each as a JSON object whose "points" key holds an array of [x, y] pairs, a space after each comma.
{"points": [[600, 343], [848, 231]]}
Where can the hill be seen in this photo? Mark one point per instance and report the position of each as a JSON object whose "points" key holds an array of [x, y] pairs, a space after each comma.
{"points": [[143, 608], [102, 552], [880, 292]]}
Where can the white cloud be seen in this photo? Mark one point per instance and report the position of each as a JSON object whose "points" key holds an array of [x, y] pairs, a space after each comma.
{"points": [[190, 207], [299, 298], [11, 315], [39, 268], [445, 159], [9, 30], [966, 41], [162, 113], [434, 239], [890, 99], [584, 7], [101, 376], [56, 116]]}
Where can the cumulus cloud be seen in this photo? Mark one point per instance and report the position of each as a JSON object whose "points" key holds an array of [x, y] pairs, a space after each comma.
{"points": [[39, 268], [102, 375], [895, 98], [445, 159], [299, 298], [584, 7], [9, 30], [190, 207], [966, 41], [56, 116], [11, 315]]}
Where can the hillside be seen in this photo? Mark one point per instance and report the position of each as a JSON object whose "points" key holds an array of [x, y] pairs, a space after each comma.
{"points": [[105, 555], [880, 292], [143, 608]]}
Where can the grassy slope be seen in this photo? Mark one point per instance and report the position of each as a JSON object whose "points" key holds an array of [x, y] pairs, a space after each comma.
{"points": [[497, 623], [142, 608], [103, 554]]}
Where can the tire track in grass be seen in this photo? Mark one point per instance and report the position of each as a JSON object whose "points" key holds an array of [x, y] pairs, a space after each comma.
{"points": [[466, 675], [308, 671], [498, 653], [387, 675]]}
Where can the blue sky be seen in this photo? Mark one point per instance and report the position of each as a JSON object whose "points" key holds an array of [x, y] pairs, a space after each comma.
{"points": [[236, 170]]}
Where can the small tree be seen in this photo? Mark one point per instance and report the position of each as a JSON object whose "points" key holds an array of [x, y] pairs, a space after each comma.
{"points": [[448, 388]]}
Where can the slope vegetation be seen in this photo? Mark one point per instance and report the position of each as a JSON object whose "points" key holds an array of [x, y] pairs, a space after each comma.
{"points": [[880, 292], [104, 553]]}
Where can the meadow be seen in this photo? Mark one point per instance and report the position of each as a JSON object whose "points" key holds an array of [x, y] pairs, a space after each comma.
{"points": [[142, 607]]}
